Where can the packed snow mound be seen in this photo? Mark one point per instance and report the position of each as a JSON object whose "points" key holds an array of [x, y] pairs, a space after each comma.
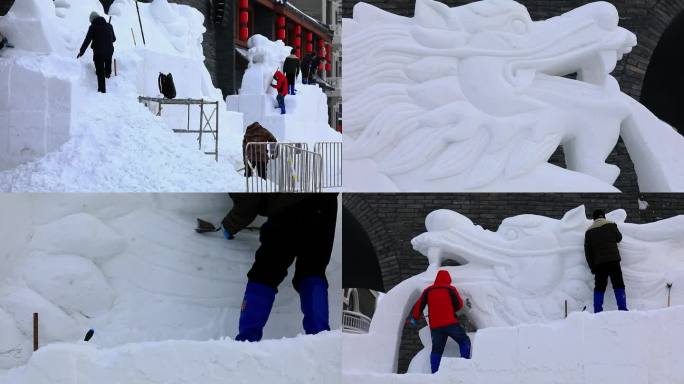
{"points": [[130, 266], [300, 360], [94, 142], [525, 272], [611, 347], [473, 98], [306, 120]]}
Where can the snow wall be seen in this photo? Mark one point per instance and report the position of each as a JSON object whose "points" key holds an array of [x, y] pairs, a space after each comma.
{"points": [[306, 120], [523, 273], [132, 267], [474, 98], [303, 359], [611, 347]]}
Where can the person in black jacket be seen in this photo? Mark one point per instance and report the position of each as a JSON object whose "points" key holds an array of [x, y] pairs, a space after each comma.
{"points": [[291, 69], [300, 227], [603, 257], [306, 67], [101, 35]]}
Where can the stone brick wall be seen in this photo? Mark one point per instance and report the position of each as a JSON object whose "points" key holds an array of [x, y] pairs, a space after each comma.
{"points": [[392, 220], [648, 19]]}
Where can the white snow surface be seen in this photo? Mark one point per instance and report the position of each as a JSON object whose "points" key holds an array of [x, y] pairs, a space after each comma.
{"points": [[302, 359], [111, 143], [611, 347], [522, 273], [131, 267], [473, 98]]}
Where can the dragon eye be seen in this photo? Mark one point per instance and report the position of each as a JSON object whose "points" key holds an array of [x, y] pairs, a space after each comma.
{"points": [[518, 25], [511, 234]]}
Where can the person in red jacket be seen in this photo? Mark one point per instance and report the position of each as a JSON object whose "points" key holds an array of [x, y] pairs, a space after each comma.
{"points": [[281, 86], [442, 300]]}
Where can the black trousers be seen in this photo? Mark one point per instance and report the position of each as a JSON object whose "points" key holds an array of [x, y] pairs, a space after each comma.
{"points": [[303, 232], [261, 168], [603, 271], [103, 69]]}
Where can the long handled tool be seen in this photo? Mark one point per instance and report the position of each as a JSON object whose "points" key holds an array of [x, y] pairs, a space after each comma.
{"points": [[206, 227], [669, 291], [140, 22]]}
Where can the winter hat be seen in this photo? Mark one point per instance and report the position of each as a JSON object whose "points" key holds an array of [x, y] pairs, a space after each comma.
{"points": [[599, 214], [93, 16]]}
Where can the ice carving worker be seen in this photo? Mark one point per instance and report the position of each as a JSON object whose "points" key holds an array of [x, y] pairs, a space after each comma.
{"points": [[281, 85], [257, 156], [101, 36], [603, 257], [299, 227], [291, 69], [443, 301]]}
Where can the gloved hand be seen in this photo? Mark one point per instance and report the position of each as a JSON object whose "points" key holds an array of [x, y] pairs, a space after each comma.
{"points": [[227, 235], [413, 322]]}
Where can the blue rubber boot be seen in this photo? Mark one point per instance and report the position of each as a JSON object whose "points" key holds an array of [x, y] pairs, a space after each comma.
{"points": [[621, 298], [434, 362], [598, 301], [313, 295], [256, 306], [464, 347]]}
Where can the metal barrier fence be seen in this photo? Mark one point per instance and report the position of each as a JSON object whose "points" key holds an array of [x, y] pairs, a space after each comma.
{"points": [[282, 167], [355, 322], [331, 153]]}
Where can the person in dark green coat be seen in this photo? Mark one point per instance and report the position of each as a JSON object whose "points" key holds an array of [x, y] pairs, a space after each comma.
{"points": [[603, 257]]}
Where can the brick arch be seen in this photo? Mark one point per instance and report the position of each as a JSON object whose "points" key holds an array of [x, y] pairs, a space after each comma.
{"points": [[384, 244], [649, 28]]}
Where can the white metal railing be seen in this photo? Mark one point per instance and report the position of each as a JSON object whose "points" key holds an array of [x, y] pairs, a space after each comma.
{"points": [[355, 322], [282, 167], [331, 154]]}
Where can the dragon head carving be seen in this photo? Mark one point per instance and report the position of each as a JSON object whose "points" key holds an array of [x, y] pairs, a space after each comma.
{"points": [[474, 97]]}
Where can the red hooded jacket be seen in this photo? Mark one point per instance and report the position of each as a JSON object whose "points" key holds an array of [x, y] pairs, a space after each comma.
{"points": [[281, 85], [442, 301]]}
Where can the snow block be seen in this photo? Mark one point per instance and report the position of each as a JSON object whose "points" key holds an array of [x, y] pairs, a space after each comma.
{"points": [[35, 108], [73, 283], [79, 234], [14, 348], [55, 324]]}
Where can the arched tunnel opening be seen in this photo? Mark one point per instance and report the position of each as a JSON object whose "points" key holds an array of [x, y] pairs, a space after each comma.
{"points": [[663, 88]]}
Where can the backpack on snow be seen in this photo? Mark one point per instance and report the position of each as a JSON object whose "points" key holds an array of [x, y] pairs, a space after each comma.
{"points": [[166, 86]]}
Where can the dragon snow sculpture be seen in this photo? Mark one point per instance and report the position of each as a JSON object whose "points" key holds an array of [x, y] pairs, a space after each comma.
{"points": [[526, 270], [474, 98]]}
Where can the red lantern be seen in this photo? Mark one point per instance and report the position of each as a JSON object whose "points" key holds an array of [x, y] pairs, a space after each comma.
{"points": [[309, 48], [244, 33], [244, 4], [280, 34], [298, 52], [244, 17], [321, 67], [297, 41], [281, 21], [298, 30], [321, 43], [328, 67], [309, 36]]}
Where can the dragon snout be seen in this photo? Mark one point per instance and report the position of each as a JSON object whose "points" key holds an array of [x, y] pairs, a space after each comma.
{"points": [[603, 13]]}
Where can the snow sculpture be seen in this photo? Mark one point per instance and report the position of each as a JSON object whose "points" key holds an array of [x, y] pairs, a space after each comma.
{"points": [[38, 17], [524, 272], [473, 98], [307, 112], [130, 266]]}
